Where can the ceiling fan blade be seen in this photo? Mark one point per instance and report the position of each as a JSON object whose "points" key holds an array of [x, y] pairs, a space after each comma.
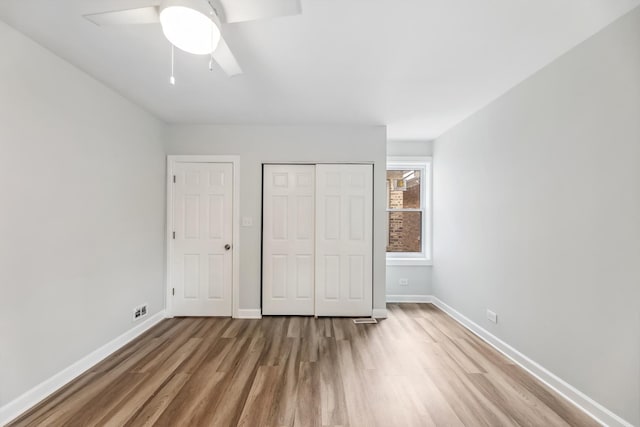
{"points": [[226, 60], [143, 15], [251, 10]]}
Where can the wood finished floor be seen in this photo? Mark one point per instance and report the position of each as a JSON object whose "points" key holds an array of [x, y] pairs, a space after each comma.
{"points": [[416, 368]]}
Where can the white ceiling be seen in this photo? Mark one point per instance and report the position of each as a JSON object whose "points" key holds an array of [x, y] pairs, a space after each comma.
{"points": [[418, 66]]}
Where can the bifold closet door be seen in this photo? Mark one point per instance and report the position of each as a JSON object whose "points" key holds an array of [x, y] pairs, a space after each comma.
{"points": [[288, 240], [344, 239]]}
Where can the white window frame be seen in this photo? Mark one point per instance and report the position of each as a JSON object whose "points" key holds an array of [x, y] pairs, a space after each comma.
{"points": [[424, 164]]}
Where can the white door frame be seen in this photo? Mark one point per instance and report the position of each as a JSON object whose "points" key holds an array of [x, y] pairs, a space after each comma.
{"points": [[235, 272]]}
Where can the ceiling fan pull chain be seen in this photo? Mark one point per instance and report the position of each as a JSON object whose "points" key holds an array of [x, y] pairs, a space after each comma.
{"points": [[172, 79], [211, 56], [212, 41]]}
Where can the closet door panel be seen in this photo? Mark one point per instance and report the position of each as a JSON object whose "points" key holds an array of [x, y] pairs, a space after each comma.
{"points": [[344, 239], [288, 259]]}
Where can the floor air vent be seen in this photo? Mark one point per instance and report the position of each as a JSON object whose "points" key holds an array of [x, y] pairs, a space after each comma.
{"points": [[365, 320]]}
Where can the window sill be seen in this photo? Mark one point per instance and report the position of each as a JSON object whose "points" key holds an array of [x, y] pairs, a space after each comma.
{"points": [[409, 261]]}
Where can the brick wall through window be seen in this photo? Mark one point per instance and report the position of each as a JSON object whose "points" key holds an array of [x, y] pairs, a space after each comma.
{"points": [[405, 228]]}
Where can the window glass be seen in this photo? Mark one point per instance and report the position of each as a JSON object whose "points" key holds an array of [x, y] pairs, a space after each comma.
{"points": [[403, 189], [405, 231]]}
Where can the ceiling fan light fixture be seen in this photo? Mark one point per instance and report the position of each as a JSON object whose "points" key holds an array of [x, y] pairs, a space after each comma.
{"points": [[190, 25]]}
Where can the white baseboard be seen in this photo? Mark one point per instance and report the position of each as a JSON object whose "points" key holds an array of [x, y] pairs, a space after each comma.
{"points": [[410, 298], [576, 397], [379, 313], [38, 393], [249, 313]]}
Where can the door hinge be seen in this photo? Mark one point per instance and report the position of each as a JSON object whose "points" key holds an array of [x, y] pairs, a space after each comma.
{"points": [[174, 235], [173, 291], [174, 179]]}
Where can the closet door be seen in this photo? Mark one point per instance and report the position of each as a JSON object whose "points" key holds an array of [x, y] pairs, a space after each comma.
{"points": [[288, 240], [344, 239]]}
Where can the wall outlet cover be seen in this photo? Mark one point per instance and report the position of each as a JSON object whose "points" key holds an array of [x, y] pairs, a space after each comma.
{"points": [[140, 311], [492, 316]]}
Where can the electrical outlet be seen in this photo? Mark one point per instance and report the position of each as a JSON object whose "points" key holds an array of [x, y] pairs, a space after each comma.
{"points": [[492, 316], [403, 282], [140, 311], [247, 221]]}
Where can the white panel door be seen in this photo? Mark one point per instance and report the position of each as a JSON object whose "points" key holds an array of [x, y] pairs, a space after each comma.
{"points": [[288, 240], [201, 253], [344, 240]]}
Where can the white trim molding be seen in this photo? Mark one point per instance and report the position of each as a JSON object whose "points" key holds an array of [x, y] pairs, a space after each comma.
{"points": [[379, 313], [409, 261], [425, 164], [32, 397], [235, 160], [583, 402], [410, 298], [249, 313]]}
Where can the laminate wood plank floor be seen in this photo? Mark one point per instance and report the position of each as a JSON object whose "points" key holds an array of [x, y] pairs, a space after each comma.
{"points": [[416, 368]]}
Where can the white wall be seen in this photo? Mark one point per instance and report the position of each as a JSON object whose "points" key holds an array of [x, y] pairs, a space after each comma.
{"points": [[419, 277], [537, 217], [81, 214], [264, 144]]}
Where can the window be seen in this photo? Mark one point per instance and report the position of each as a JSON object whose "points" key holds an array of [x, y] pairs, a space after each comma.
{"points": [[409, 211]]}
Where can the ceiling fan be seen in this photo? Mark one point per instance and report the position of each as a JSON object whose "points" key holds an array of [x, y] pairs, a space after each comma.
{"points": [[195, 26]]}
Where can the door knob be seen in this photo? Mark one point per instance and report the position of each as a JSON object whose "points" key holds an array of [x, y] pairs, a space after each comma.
{"points": [[227, 246]]}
